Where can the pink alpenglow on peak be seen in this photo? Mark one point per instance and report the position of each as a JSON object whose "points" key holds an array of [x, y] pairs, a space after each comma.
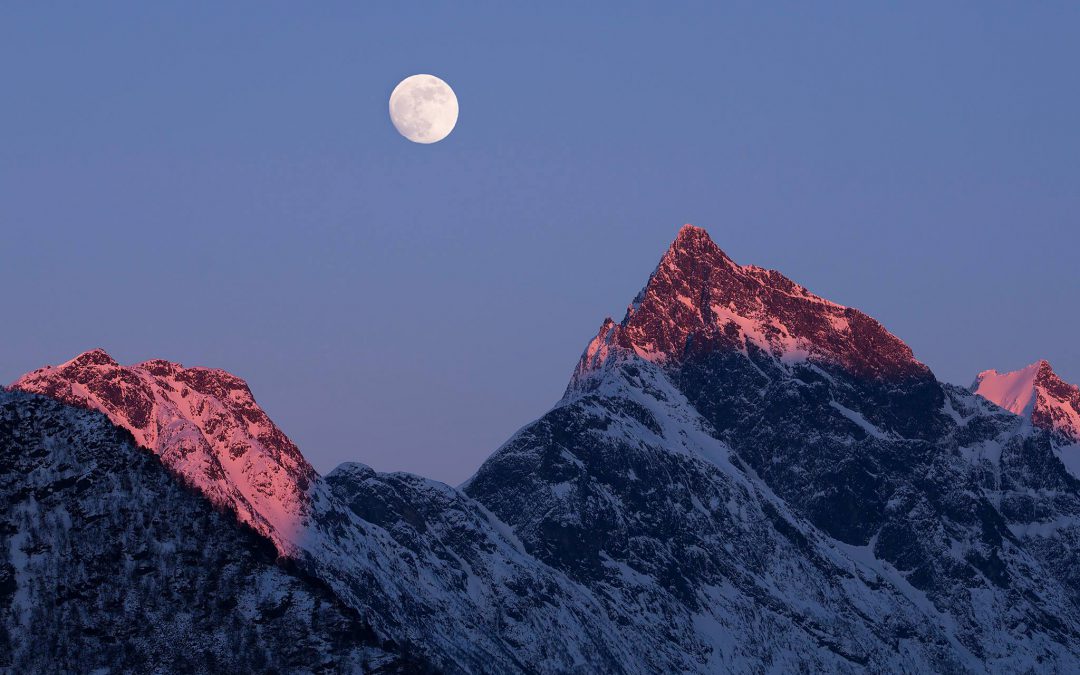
{"points": [[1013, 391], [205, 426], [699, 300], [1036, 393]]}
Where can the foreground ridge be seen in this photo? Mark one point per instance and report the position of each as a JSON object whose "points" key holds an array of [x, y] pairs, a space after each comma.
{"points": [[107, 564], [206, 427]]}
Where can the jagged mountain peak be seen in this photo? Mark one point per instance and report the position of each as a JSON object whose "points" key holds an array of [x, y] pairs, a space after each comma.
{"points": [[1037, 393], [698, 300], [692, 240], [1013, 390], [690, 230], [205, 425], [92, 357]]}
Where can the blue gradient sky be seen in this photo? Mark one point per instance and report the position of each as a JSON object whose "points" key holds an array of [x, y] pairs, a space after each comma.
{"points": [[222, 186]]}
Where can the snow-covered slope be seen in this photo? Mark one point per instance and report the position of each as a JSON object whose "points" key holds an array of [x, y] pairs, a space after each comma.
{"points": [[628, 490], [1013, 391]]}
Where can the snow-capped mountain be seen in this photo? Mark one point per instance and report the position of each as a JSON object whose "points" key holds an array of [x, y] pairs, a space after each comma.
{"points": [[1037, 394], [740, 477], [787, 485], [698, 301]]}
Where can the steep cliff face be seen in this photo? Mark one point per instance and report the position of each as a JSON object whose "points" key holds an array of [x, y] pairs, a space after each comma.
{"points": [[629, 490]]}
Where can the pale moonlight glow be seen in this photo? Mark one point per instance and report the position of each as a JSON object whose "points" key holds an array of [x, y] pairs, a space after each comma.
{"points": [[423, 109]]}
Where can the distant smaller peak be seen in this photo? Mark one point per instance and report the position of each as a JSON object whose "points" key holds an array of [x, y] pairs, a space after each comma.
{"points": [[355, 471], [1014, 390], [1037, 393], [94, 357]]}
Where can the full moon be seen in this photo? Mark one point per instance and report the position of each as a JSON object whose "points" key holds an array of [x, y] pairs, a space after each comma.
{"points": [[423, 109]]}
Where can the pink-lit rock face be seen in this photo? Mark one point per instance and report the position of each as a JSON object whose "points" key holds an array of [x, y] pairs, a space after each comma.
{"points": [[205, 426], [1037, 393], [699, 300]]}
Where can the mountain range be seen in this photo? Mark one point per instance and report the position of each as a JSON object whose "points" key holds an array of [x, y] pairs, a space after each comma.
{"points": [[741, 476]]}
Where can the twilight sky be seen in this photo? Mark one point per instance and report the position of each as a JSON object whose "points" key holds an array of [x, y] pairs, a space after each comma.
{"points": [[221, 185]]}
